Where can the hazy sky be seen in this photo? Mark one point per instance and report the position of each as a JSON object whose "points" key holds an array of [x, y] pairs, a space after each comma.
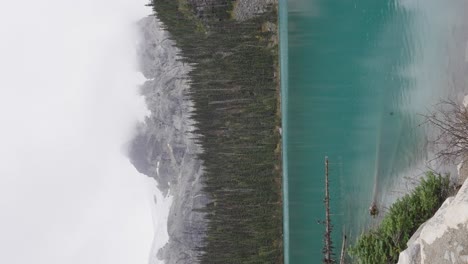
{"points": [[67, 105]]}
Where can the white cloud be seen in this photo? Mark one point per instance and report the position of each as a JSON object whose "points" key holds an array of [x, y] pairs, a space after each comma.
{"points": [[68, 101]]}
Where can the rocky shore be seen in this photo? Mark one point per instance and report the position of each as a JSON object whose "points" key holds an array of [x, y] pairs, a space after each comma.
{"points": [[443, 238]]}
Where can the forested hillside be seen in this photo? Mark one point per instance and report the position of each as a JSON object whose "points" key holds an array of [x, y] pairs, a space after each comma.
{"points": [[234, 90]]}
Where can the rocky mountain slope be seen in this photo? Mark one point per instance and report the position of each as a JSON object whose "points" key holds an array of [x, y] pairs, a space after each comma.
{"points": [[163, 148]]}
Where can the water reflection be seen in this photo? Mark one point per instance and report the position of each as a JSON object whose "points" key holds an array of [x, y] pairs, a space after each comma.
{"points": [[360, 75]]}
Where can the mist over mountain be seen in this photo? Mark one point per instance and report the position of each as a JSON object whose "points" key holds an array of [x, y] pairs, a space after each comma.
{"points": [[163, 148]]}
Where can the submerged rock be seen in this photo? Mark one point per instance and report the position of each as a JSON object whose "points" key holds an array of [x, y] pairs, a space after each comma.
{"points": [[164, 148], [444, 237]]}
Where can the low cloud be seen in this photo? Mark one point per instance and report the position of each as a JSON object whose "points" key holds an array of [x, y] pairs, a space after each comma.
{"points": [[68, 102]]}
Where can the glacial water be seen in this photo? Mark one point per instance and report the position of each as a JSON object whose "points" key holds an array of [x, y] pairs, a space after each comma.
{"points": [[356, 77]]}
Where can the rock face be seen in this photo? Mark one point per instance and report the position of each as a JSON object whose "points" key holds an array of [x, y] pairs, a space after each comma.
{"points": [[246, 9], [444, 237], [164, 148]]}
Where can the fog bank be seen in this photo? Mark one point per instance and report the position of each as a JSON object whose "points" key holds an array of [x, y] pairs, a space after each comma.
{"points": [[68, 103]]}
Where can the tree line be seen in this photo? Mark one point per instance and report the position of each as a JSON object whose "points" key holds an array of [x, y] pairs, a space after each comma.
{"points": [[234, 91]]}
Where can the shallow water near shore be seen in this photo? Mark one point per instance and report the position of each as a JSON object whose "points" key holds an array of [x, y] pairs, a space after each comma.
{"points": [[359, 76]]}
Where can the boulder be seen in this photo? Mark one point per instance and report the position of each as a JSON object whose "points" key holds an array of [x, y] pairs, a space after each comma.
{"points": [[444, 237], [247, 9]]}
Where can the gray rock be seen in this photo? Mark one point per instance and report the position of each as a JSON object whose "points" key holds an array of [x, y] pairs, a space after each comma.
{"points": [[444, 237], [247, 9], [462, 169], [164, 148]]}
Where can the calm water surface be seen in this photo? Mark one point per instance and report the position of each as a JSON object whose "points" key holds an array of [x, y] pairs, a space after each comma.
{"points": [[356, 77]]}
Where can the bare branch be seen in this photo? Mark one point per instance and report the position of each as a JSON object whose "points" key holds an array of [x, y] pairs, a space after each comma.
{"points": [[450, 120]]}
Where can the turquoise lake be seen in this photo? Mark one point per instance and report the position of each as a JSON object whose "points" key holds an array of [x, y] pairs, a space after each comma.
{"points": [[356, 77]]}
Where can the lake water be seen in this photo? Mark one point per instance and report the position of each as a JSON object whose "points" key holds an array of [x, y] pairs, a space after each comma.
{"points": [[356, 75]]}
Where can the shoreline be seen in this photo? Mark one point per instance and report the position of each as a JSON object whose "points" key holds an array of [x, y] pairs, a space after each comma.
{"points": [[431, 236], [283, 99]]}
